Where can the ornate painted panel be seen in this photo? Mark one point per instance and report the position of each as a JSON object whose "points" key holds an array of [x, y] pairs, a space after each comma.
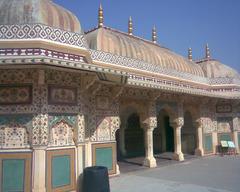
{"points": [[61, 128], [15, 94], [102, 102], [103, 128], [62, 95], [225, 124], [223, 108], [15, 131]]}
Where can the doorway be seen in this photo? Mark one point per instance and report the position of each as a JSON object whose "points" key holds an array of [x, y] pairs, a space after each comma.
{"points": [[163, 135], [188, 135]]}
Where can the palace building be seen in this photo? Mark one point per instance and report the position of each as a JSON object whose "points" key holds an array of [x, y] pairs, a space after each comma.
{"points": [[69, 99]]}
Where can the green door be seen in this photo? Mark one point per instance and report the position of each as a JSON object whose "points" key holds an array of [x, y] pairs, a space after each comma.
{"points": [[169, 135]]}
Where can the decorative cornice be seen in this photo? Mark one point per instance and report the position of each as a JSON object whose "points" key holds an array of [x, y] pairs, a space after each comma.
{"points": [[141, 65], [171, 86], [222, 88], [40, 31]]}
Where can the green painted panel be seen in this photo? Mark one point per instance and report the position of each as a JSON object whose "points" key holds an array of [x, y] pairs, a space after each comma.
{"points": [[61, 171], [13, 172], [208, 143], [239, 139], [104, 157], [225, 137]]}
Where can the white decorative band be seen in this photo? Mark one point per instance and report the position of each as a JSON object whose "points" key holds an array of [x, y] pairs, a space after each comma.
{"points": [[39, 31]]}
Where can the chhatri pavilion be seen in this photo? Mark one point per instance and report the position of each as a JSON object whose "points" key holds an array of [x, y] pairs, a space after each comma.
{"points": [[69, 99]]}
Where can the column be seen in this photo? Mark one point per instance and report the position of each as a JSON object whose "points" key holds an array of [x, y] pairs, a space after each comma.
{"points": [[215, 141], [88, 154], [149, 160], [199, 149], [80, 165], [178, 155], [39, 169], [235, 140]]}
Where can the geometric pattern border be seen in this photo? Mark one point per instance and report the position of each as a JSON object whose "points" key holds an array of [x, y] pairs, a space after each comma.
{"points": [[40, 31]]}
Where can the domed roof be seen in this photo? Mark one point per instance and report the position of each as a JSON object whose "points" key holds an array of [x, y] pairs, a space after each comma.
{"points": [[214, 69], [38, 12], [119, 43]]}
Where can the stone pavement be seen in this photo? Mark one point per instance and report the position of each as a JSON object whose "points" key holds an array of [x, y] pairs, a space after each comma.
{"points": [[208, 174]]}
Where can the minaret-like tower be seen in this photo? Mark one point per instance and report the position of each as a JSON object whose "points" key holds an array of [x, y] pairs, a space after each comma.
{"points": [[207, 56], [154, 34], [130, 26], [100, 16], [190, 53]]}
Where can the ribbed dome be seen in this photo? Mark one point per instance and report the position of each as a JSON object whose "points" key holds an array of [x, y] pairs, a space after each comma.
{"points": [[38, 12], [214, 69], [118, 43]]}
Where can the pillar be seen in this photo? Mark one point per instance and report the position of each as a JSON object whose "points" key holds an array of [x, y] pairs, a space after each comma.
{"points": [[39, 169], [149, 160], [178, 155], [80, 165], [235, 140], [199, 149], [88, 154], [215, 141]]}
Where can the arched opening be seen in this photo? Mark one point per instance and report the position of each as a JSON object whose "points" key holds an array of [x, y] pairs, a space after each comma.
{"points": [[163, 135], [134, 137], [188, 135], [130, 141]]}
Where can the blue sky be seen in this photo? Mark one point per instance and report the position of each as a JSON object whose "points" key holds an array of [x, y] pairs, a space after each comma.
{"points": [[179, 23]]}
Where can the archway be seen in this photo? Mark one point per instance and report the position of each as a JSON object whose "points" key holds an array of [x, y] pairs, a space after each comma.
{"points": [[134, 137], [163, 135], [188, 135]]}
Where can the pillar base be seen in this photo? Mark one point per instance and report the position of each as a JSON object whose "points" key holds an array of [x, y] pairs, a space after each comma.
{"points": [[117, 170], [178, 156], [199, 152], [150, 162]]}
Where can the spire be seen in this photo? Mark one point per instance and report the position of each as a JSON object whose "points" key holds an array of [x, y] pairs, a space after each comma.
{"points": [[100, 16], [154, 34], [130, 26], [190, 53], [207, 52]]}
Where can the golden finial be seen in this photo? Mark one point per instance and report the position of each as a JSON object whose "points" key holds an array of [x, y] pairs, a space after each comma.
{"points": [[130, 26], [100, 16], [154, 34], [190, 53], [207, 52]]}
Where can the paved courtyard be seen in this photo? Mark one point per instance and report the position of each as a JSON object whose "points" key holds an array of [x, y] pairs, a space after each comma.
{"points": [[208, 174]]}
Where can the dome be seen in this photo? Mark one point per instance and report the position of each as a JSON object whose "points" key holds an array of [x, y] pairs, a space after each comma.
{"points": [[43, 12], [214, 69], [119, 43]]}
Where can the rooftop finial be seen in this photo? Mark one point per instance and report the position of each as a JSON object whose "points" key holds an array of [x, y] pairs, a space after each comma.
{"points": [[207, 52], [154, 34], [100, 16], [190, 53], [130, 26]]}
